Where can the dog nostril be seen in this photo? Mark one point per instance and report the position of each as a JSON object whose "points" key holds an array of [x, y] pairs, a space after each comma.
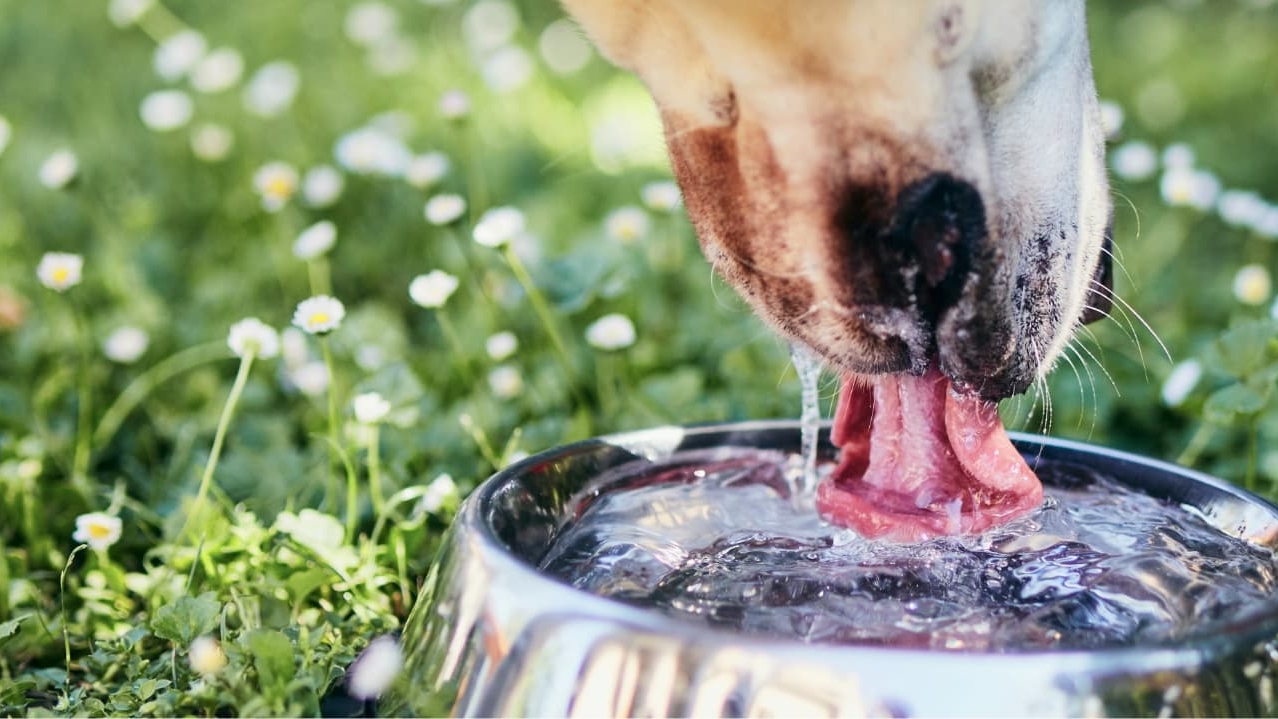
{"points": [[939, 220]]}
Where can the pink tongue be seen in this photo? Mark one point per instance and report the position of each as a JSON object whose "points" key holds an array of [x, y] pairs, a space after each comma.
{"points": [[921, 461]]}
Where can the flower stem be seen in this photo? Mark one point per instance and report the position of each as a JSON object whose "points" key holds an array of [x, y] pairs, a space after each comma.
{"points": [[335, 445], [84, 398], [607, 382], [219, 437], [318, 271], [141, 387], [542, 309], [1196, 445], [62, 603], [460, 355], [374, 470]]}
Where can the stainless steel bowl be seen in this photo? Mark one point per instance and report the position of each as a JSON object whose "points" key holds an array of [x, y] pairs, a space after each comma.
{"points": [[491, 636]]}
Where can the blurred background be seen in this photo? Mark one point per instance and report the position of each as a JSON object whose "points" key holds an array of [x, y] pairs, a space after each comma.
{"points": [[142, 136], [134, 134], [209, 162]]}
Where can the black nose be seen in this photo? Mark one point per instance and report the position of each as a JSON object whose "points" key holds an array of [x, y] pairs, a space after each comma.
{"points": [[940, 220]]}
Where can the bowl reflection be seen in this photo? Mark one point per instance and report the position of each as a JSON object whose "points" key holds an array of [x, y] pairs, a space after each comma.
{"points": [[491, 636]]}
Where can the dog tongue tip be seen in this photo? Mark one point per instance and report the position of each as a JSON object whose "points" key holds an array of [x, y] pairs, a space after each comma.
{"points": [[917, 453]]}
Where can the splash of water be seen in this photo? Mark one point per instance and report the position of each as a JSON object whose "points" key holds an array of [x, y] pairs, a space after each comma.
{"points": [[706, 537], [807, 364]]}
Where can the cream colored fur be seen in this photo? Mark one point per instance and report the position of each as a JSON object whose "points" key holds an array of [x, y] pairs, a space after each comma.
{"points": [[780, 116]]}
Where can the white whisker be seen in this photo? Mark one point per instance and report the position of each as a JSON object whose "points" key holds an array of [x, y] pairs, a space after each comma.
{"points": [[1116, 298], [1101, 367]]}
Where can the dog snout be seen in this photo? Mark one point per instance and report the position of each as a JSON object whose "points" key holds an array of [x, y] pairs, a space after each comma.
{"points": [[941, 220], [914, 251]]}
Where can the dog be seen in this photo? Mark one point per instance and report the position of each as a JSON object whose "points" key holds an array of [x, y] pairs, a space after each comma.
{"points": [[915, 190]]}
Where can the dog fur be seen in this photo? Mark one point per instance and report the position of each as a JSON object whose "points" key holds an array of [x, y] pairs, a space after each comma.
{"points": [[893, 183]]}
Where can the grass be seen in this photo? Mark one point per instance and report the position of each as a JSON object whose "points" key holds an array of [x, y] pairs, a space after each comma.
{"points": [[256, 508]]}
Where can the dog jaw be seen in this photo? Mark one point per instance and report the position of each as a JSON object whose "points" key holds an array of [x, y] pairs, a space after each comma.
{"points": [[800, 138]]}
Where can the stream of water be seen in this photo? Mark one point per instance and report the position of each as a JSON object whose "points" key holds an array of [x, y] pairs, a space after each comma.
{"points": [[808, 366]]}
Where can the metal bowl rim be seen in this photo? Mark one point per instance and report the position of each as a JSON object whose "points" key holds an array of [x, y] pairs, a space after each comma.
{"points": [[1260, 625]]}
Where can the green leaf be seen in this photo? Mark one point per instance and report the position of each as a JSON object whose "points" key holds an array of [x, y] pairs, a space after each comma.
{"points": [[1243, 349], [10, 628], [273, 656], [187, 618], [300, 584], [1236, 399]]}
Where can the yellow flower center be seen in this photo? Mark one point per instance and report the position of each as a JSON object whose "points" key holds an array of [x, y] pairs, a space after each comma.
{"points": [[279, 187], [319, 318], [99, 531], [61, 275]]}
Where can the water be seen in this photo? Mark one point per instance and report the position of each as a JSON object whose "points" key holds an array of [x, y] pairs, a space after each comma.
{"points": [[707, 537], [807, 364]]}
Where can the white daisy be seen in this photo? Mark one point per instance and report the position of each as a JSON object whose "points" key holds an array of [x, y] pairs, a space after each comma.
{"points": [[272, 88], [501, 345], [322, 185], [59, 169], [439, 492], [311, 378], [211, 142], [626, 224], [425, 170], [370, 23], [1241, 208], [372, 150], [445, 208], [375, 669], [1134, 160], [563, 48], [1182, 380], [1187, 187], [218, 71], [1252, 285], [432, 289], [454, 104], [319, 315], [126, 345], [178, 53], [370, 408], [1266, 225], [505, 382], [611, 332], [662, 196], [315, 240], [205, 656], [507, 69], [97, 529], [1178, 154], [276, 182], [60, 271], [166, 110], [498, 226], [251, 335], [124, 13], [489, 24]]}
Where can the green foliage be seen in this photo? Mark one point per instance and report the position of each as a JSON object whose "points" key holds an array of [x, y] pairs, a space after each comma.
{"points": [[187, 618], [281, 564]]}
